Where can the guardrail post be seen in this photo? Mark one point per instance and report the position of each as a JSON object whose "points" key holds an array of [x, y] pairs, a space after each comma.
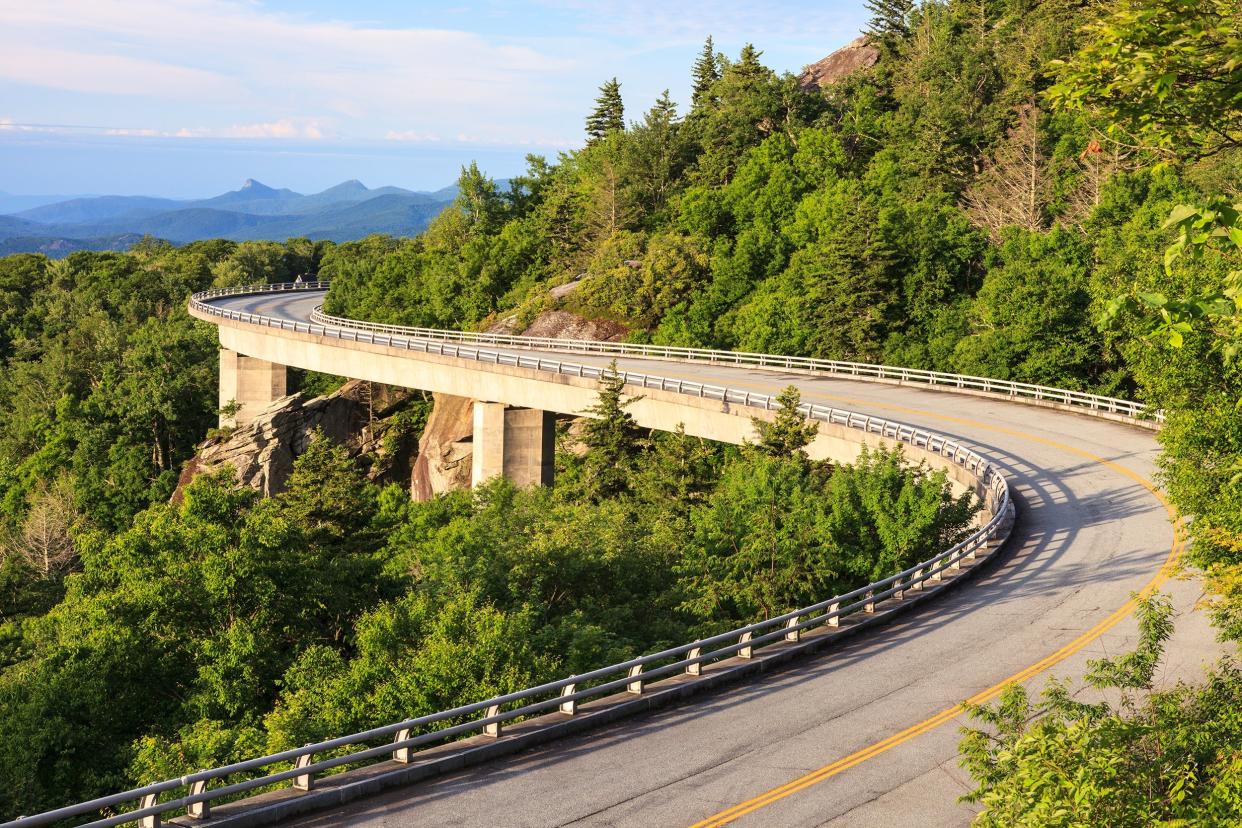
{"points": [[956, 563], [636, 686], [900, 594], [405, 753], [569, 707], [306, 781], [492, 728], [870, 605], [694, 668], [745, 651], [939, 573], [792, 633], [834, 616], [916, 580], [202, 809], [152, 820]]}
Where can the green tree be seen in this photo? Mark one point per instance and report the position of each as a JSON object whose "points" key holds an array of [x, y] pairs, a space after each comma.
{"points": [[609, 113], [1160, 74], [703, 75], [613, 439], [478, 200], [890, 20], [756, 546], [790, 432], [1159, 757]]}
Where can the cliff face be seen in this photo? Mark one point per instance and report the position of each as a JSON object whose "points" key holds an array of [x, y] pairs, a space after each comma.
{"points": [[853, 57], [262, 452], [444, 451]]}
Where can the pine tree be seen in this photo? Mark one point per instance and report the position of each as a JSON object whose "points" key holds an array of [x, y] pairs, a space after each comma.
{"points": [[679, 472], [613, 439], [748, 64], [705, 73], [609, 112], [663, 112], [890, 19], [656, 155], [791, 432]]}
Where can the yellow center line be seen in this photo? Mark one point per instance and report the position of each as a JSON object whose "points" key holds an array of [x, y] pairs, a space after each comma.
{"points": [[948, 714]]}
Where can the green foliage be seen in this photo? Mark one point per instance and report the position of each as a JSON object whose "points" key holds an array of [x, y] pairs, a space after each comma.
{"points": [[612, 438], [890, 20], [778, 532], [790, 432], [1164, 74], [1161, 757], [609, 113], [705, 72], [1031, 321]]}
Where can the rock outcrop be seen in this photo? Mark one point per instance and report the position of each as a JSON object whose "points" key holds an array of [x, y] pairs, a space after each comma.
{"points": [[262, 452], [854, 56], [445, 453]]}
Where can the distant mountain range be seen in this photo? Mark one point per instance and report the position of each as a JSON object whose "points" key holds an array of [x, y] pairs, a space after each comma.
{"points": [[350, 210]]}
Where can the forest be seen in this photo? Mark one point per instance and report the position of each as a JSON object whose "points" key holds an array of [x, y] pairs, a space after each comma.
{"points": [[1039, 191]]}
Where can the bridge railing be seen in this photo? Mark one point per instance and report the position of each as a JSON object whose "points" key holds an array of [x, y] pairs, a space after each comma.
{"points": [[862, 370], [1018, 390], [401, 739]]}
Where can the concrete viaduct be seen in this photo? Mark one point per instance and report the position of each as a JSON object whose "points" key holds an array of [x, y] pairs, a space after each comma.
{"points": [[862, 734]]}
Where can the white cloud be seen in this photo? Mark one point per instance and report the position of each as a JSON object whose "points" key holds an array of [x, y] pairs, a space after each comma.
{"points": [[411, 135], [211, 61], [283, 128]]}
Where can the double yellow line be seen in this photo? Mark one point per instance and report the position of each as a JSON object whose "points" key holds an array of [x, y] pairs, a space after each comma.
{"points": [[830, 770]]}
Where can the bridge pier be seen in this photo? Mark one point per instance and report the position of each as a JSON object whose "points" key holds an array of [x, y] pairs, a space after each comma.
{"points": [[252, 383], [518, 443]]}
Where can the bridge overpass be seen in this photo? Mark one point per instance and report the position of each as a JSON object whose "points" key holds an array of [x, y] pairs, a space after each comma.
{"points": [[863, 733]]}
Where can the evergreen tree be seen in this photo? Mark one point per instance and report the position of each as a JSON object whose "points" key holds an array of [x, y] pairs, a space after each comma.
{"points": [[748, 64], [614, 441], [705, 73], [890, 19], [790, 433], [663, 112], [609, 112], [679, 472]]}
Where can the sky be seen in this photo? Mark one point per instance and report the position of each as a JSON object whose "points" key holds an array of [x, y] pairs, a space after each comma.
{"points": [[187, 98]]}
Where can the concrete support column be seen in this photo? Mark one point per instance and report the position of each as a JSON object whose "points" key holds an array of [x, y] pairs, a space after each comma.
{"points": [[252, 383], [518, 443]]}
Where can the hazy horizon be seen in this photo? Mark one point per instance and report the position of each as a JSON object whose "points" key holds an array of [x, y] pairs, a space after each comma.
{"points": [[187, 98]]}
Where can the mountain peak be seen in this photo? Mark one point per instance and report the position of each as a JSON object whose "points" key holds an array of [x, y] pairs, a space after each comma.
{"points": [[257, 186], [353, 185]]}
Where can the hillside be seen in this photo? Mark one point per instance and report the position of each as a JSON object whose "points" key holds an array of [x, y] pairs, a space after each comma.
{"points": [[959, 204]]}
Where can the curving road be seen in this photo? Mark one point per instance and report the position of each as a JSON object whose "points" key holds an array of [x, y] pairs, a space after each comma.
{"points": [[871, 716]]}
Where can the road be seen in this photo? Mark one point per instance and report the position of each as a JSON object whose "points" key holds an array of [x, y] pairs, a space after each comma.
{"points": [[1090, 532]]}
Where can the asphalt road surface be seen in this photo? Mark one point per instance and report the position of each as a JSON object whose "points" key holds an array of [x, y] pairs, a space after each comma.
{"points": [[1089, 533]]}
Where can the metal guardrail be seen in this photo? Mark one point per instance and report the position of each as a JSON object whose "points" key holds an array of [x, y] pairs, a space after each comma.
{"points": [[1019, 390], [861, 370], [563, 695]]}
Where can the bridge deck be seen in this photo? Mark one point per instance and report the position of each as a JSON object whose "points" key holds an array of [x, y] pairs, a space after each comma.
{"points": [[1089, 534]]}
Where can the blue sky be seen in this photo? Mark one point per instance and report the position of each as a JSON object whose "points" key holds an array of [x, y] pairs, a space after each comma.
{"points": [[189, 97]]}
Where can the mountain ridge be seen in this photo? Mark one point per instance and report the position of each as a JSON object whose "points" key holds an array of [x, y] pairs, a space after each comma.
{"points": [[346, 211]]}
